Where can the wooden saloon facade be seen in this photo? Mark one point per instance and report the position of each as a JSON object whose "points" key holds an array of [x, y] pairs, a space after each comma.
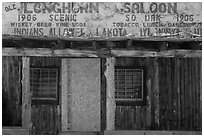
{"points": [[101, 68]]}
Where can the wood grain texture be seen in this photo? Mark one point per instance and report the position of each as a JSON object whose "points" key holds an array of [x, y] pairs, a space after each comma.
{"points": [[103, 94], [99, 53], [15, 131], [183, 74], [11, 91], [26, 95], [179, 96], [156, 38], [45, 119], [110, 94], [151, 132]]}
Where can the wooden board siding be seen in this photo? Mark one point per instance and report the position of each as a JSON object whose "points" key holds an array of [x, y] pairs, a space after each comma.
{"points": [[103, 94], [179, 79], [45, 61], [172, 104], [26, 94], [11, 91], [15, 131], [139, 117], [46, 117]]}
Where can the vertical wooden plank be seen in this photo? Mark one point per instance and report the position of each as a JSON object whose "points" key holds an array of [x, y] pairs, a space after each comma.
{"points": [[169, 98], [161, 91], [152, 92], [186, 110], [64, 93], [183, 94], [200, 82], [165, 95], [156, 90], [193, 93], [200, 92], [177, 76], [190, 92], [182, 71], [103, 95], [172, 94], [143, 117], [26, 95], [110, 94], [148, 116], [69, 100], [137, 118], [196, 95]]}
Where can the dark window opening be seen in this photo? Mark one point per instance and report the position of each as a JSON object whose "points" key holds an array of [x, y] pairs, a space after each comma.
{"points": [[129, 86], [44, 85]]}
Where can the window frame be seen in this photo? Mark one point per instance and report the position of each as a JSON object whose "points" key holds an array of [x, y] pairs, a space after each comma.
{"points": [[135, 102], [44, 101]]}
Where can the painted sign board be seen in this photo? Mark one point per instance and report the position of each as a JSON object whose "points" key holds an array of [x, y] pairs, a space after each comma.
{"points": [[179, 20]]}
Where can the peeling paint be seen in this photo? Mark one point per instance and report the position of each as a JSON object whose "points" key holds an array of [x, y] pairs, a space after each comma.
{"points": [[101, 16]]}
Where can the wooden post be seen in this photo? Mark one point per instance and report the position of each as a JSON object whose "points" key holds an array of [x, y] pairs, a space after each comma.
{"points": [[110, 94], [64, 93], [26, 94], [156, 91]]}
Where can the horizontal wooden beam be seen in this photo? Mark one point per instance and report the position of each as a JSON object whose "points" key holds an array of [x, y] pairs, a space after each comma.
{"points": [[48, 52], [99, 53], [151, 132], [15, 131], [151, 38], [162, 53]]}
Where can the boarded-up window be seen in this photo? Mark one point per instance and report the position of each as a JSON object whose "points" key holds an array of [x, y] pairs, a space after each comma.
{"points": [[129, 83], [44, 84]]}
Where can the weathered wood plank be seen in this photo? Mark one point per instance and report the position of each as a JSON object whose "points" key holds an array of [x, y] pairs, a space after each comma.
{"points": [[103, 94], [64, 92], [99, 53], [162, 53], [45, 119], [161, 99], [169, 90], [200, 92], [186, 109], [178, 102], [156, 38], [69, 99], [156, 90], [196, 95], [14, 131], [110, 94], [173, 95], [151, 132], [190, 65], [182, 93], [193, 94], [26, 95], [11, 91]]}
